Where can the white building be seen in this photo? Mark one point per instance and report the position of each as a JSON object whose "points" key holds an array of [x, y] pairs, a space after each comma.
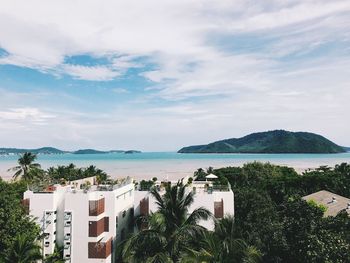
{"points": [[88, 223], [218, 200]]}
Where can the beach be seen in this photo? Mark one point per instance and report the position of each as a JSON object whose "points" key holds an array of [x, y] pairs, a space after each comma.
{"points": [[170, 165]]}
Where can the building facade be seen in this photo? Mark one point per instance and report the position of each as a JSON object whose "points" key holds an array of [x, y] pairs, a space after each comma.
{"points": [[218, 200], [88, 223]]}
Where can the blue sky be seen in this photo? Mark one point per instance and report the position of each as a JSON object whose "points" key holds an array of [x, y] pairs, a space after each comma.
{"points": [[157, 76]]}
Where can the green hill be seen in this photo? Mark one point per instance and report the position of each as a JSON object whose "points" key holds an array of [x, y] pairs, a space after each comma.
{"points": [[43, 150], [278, 141]]}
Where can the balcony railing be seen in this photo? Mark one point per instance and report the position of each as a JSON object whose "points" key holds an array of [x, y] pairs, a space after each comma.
{"points": [[96, 207]]}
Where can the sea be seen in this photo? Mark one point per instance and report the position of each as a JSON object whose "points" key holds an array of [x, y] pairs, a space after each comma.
{"points": [[171, 165]]}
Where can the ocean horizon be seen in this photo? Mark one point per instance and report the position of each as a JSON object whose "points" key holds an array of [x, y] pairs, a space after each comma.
{"points": [[172, 165]]}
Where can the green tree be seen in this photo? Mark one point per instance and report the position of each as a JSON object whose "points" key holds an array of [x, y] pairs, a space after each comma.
{"points": [[56, 256], [13, 220], [199, 175], [24, 249], [171, 230], [26, 169], [222, 245]]}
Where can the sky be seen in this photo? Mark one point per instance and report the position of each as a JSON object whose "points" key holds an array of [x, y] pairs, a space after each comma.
{"points": [[159, 75]]}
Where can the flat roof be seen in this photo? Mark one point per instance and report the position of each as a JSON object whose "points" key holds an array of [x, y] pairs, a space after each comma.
{"points": [[334, 203]]}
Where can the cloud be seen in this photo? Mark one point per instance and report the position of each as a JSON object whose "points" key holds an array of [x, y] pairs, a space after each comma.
{"points": [[96, 73], [31, 115], [212, 69]]}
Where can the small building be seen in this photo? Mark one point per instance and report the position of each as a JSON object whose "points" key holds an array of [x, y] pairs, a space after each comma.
{"points": [[88, 222], [219, 200], [333, 202]]}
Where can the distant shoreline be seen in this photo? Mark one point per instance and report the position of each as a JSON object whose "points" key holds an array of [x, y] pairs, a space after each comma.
{"points": [[172, 165]]}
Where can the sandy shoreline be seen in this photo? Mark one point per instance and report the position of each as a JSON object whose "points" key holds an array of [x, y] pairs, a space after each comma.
{"points": [[168, 169]]}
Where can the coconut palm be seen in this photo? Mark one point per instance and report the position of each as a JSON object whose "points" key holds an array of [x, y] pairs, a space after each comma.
{"points": [[171, 230], [24, 250], [26, 169], [56, 256], [222, 246]]}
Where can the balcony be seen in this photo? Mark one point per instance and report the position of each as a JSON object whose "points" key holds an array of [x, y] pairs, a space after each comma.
{"points": [[96, 228], [100, 249], [96, 207]]}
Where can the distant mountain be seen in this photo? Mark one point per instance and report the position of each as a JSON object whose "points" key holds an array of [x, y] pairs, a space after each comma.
{"points": [[52, 150], [131, 152], [92, 151], [43, 150], [347, 149], [88, 151], [278, 141]]}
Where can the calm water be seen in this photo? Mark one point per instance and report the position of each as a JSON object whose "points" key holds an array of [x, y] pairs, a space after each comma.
{"points": [[173, 165]]}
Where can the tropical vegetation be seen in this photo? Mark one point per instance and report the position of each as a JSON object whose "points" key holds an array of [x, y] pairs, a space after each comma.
{"points": [[18, 232], [172, 234], [26, 168], [272, 223], [271, 216]]}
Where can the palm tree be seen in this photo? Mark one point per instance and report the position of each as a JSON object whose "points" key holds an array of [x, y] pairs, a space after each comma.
{"points": [[222, 246], [56, 256], [26, 169], [170, 230], [24, 250]]}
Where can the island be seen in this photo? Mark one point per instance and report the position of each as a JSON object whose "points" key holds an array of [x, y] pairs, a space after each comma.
{"points": [[131, 152], [277, 141], [52, 150], [43, 150]]}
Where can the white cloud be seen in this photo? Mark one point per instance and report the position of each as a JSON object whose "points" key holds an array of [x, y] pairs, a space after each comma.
{"points": [[248, 65], [97, 73], [31, 115]]}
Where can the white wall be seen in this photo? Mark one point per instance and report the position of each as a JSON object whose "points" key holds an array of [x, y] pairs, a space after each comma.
{"points": [[42, 202]]}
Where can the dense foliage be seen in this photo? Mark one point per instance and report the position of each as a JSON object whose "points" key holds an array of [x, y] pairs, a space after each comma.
{"points": [[172, 234], [170, 231], [18, 242], [270, 215], [278, 141], [71, 172]]}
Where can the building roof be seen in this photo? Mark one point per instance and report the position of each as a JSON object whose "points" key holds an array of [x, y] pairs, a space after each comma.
{"points": [[211, 176], [334, 203]]}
